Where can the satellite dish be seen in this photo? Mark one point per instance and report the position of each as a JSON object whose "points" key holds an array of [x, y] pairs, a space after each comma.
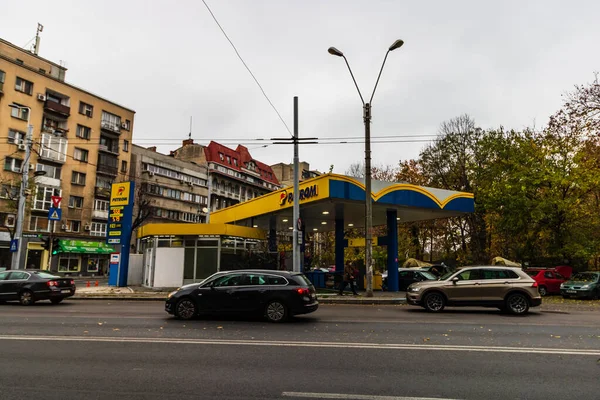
{"points": [[205, 210]]}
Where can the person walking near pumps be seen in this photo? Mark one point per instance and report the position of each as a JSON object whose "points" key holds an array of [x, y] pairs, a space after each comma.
{"points": [[348, 279]]}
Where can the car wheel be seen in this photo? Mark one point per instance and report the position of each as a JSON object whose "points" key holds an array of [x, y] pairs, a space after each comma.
{"points": [[56, 301], [276, 311], [543, 291], [434, 302], [517, 304], [185, 309], [26, 298]]}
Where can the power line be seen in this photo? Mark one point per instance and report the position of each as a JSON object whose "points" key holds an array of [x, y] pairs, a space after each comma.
{"points": [[248, 68]]}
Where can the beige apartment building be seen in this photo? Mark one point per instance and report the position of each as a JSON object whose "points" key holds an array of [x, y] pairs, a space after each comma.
{"points": [[83, 144], [172, 190], [285, 173]]}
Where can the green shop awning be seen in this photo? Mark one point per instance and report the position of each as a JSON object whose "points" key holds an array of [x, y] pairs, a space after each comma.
{"points": [[82, 246]]}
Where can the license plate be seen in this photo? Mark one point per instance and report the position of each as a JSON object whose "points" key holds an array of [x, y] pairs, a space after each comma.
{"points": [[571, 291], [66, 291]]}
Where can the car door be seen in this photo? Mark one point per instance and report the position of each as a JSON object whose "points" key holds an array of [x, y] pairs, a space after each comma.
{"points": [[467, 288], [251, 294], [219, 296], [494, 285], [552, 282], [15, 282], [405, 278], [4, 292]]}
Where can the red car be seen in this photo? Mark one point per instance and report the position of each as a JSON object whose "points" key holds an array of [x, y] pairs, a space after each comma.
{"points": [[548, 280]]}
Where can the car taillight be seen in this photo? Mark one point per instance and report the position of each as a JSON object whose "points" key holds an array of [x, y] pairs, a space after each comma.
{"points": [[72, 282], [535, 284], [52, 283], [303, 291]]}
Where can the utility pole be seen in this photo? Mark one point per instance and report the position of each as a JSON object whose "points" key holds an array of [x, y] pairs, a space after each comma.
{"points": [[23, 193], [297, 223]]}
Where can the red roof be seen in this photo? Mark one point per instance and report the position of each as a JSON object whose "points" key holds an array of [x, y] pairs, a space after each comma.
{"points": [[213, 154]]}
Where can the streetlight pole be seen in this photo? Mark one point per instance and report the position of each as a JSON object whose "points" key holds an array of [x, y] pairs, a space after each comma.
{"points": [[368, 201], [22, 190]]}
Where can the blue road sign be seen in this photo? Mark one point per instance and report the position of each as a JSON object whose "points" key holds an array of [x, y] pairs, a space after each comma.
{"points": [[54, 214], [14, 245]]}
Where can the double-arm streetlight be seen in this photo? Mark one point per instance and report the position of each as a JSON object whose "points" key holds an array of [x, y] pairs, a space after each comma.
{"points": [[367, 119]]}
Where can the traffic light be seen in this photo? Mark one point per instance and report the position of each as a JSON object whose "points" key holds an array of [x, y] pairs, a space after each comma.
{"points": [[55, 247], [46, 243]]}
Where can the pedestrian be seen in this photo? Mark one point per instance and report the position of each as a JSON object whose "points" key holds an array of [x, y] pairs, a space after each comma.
{"points": [[348, 279]]}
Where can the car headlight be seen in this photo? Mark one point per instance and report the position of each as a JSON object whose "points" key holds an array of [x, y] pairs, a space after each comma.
{"points": [[414, 289], [585, 287], [172, 293], [562, 285]]}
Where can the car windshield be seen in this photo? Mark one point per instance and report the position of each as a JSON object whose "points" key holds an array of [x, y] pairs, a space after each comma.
{"points": [[585, 277], [211, 278], [446, 275], [428, 275], [45, 275]]}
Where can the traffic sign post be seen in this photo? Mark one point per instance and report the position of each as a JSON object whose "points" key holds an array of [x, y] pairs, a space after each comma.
{"points": [[56, 201], [55, 214], [14, 245]]}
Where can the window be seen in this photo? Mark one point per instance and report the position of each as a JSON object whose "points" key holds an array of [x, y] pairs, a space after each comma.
{"points": [[276, 280], [86, 109], [68, 263], [51, 170], [235, 162], [221, 156], [4, 275], [19, 111], [75, 225], [103, 183], [101, 205], [15, 137], [75, 202], [24, 86], [12, 164], [108, 144], [9, 192], [125, 145], [123, 166], [2, 76], [8, 220], [18, 276], [39, 224], [53, 147], [228, 160], [111, 122], [127, 125], [547, 274], [43, 197], [78, 178], [80, 154], [83, 132], [98, 229]]}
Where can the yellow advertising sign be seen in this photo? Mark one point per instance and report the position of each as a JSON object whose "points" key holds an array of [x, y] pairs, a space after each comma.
{"points": [[119, 194], [359, 242]]}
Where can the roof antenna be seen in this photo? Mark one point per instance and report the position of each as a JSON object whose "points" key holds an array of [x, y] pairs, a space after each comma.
{"points": [[190, 135], [36, 46]]}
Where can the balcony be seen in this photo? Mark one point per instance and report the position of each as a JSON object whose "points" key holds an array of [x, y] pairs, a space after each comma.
{"points": [[107, 169], [99, 214], [114, 149], [110, 126], [102, 192], [58, 108]]}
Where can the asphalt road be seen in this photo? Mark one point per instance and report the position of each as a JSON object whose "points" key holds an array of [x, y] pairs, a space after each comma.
{"points": [[133, 350]]}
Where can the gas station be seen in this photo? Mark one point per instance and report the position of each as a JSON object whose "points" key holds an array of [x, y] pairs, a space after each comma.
{"points": [[334, 202]]}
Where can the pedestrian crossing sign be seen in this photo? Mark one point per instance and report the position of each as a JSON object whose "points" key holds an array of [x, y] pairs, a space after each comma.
{"points": [[54, 214]]}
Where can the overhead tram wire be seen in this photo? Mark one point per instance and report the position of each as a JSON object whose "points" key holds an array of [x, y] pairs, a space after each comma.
{"points": [[248, 68]]}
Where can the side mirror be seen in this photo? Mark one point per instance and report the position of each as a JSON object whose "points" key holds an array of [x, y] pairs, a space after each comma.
{"points": [[455, 279]]}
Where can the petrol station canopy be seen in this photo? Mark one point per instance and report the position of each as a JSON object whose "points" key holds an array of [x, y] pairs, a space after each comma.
{"points": [[331, 197]]}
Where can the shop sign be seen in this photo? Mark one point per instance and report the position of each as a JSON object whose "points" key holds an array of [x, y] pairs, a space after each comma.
{"points": [[287, 197]]}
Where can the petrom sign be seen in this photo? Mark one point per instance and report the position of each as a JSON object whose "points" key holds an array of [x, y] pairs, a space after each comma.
{"points": [[307, 193]]}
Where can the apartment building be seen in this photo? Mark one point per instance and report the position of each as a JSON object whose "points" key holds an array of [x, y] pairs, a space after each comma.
{"points": [[82, 142], [172, 190], [234, 175], [285, 173]]}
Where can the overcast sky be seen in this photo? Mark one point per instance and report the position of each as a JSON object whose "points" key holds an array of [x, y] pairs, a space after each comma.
{"points": [[504, 63]]}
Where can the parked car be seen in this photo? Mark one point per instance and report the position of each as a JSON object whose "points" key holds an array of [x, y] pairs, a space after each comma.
{"points": [[407, 276], [437, 269], [549, 280], [507, 288], [29, 286], [582, 284], [275, 295]]}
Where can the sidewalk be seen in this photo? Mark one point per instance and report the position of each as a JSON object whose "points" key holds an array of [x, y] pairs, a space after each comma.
{"points": [[143, 293]]}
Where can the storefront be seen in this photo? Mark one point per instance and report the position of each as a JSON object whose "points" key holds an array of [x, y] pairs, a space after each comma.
{"points": [[82, 258], [5, 254], [177, 254]]}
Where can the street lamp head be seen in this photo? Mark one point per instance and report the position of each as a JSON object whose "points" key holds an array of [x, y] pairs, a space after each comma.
{"points": [[398, 43], [39, 173], [335, 52]]}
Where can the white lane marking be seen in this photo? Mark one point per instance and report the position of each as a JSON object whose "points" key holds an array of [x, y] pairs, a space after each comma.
{"points": [[353, 396], [284, 343]]}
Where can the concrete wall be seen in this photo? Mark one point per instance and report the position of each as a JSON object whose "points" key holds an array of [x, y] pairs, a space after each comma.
{"points": [[168, 267], [135, 272]]}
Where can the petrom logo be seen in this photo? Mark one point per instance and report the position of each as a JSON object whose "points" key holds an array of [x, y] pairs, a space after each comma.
{"points": [[306, 193]]}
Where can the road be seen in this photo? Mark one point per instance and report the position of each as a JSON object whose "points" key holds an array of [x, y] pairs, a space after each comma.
{"points": [[133, 350]]}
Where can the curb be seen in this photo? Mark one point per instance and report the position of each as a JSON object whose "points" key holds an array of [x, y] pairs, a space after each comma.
{"points": [[365, 301], [120, 298]]}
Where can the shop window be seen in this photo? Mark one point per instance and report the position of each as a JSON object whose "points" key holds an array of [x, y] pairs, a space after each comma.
{"points": [[68, 263]]}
